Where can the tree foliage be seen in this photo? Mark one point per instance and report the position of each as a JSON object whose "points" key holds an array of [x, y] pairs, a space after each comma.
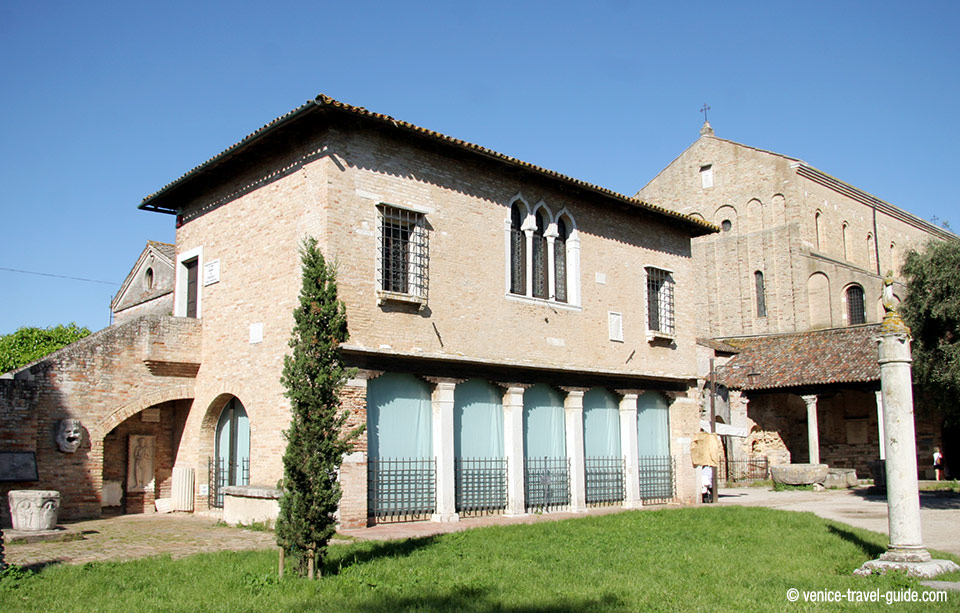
{"points": [[318, 437], [28, 345], [932, 310]]}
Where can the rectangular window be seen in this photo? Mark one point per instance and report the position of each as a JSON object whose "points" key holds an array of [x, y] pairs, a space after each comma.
{"points": [[660, 301], [403, 255], [191, 269], [706, 176]]}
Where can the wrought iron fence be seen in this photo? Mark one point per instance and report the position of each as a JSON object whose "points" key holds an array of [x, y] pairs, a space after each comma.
{"points": [[604, 480], [401, 489], [736, 471], [481, 485], [218, 477], [657, 483], [546, 483]]}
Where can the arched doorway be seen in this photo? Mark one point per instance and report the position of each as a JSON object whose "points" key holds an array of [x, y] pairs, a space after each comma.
{"points": [[232, 464]]}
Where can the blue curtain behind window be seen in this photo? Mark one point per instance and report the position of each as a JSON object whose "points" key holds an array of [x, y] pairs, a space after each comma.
{"points": [[477, 420], [398, 418], [601, 424], [653, 425], [543, 432]]}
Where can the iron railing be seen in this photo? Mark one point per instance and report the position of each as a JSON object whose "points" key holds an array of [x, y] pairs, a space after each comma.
{"points": [[546, 483], [401, 489], [218, 477], [604, 480], [736, 471], [657, 482], [481, 485]]}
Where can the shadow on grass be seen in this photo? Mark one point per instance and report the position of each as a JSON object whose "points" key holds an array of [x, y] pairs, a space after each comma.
{"points": [[871, 549], [388, 549], [476, 600]]}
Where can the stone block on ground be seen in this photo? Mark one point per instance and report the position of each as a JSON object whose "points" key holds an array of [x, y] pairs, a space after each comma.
{"points": [[34, 510], [838, 478], [799, 474]]}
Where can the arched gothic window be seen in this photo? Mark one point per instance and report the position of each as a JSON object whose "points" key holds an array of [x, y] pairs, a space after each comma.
{"points": [[560, 261], [518, 253], [540, 269], [856, 313], [817, 223], [761, 294]]}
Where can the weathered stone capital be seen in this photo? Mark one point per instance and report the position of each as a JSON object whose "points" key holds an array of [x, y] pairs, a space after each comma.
{"points": [[810, 399], [575, 390], [443, 381], [506, 386]]}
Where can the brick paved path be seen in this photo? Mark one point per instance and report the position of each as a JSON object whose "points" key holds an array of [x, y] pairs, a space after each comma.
{"points": [[138, 536]]}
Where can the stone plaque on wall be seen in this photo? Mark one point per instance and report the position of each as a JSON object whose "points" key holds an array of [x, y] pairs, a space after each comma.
{"points": [[18, 466], [140, 456], [150, 415]]}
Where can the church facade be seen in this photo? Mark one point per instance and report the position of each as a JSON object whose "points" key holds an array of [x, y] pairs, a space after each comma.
{"points": [[799, 260]]}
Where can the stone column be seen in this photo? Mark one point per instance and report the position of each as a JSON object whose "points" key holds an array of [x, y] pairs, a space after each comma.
{"points": [[813, 435], [513, 447], [442, 405], [629, 447], [880, 435], [905, 551], [573, 424], [551, 235], [353, 469]]}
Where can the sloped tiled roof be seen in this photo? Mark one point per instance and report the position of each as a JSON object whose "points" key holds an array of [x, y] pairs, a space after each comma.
{"points": [[324, 104], [804, 359]]}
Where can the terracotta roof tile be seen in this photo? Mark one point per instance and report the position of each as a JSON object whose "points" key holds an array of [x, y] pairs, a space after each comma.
{"points": [[818, 357]]}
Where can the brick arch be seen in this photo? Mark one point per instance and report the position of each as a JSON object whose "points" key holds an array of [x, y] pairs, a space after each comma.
{"points": [[144, 401]]}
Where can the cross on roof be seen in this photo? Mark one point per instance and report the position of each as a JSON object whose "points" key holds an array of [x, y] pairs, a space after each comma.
{"points": [[704, 109]]}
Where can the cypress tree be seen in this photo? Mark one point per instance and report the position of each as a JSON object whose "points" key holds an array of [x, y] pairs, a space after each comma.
{"points": [[318, 438]]}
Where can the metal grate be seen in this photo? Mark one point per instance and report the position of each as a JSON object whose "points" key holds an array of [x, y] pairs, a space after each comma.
{"points": [[218, 477], [481, 485], [660, 300], [604, 480], [403, 254], [560, 261], [518, 254], [401, 489], [761, 294], [539, 265], [657, 484], [546, 483], [855, 309], [735, 471]]}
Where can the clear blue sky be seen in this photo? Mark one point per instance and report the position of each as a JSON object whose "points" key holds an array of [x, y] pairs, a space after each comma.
{"points": [[104, 103]]}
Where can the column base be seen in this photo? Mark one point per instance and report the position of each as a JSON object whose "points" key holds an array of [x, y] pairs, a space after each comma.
{"points": [[445, 518], [633, 504], [905, 554], [516, 514], [925, 570]]}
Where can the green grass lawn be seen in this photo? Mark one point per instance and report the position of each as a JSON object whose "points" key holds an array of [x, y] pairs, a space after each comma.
{"points": [[732, 558]]}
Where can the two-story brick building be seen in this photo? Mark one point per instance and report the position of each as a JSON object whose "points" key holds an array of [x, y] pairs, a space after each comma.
{"points": [[524, 340]]}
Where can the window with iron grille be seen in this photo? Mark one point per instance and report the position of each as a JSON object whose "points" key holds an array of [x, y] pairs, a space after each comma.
{"points": [[403, 256], [518, 253], [660, 301], [856, 314], [560, 261], [540, 269]]}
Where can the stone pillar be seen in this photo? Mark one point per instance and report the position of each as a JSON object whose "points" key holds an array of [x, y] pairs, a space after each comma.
{"points": [[880, 435], [513, 447], [551, 235], [813, 434], [573, 424], [629, 447], [442, 405], [353, 470], [905, 551]]}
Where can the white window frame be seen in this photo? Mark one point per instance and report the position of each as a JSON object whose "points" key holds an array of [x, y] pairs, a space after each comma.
{"points": [[706, 176], [661, 333], [418, 256], [180, 296]]}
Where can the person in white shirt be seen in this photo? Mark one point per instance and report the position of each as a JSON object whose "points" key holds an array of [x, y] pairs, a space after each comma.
{"points": [[937, 463]]}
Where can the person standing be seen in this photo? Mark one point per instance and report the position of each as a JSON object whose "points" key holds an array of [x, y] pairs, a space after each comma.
{"points": [[937, 463]]}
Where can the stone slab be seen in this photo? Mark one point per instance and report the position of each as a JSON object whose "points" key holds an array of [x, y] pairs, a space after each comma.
{"points": [[799, 474], [57, 535], [953, 586]]}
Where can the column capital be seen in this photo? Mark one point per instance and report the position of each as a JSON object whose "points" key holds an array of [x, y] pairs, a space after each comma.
{"points": [[508, 386], [361, 376], [443, 381], [575, 390], [810, 399], [623, 393]]}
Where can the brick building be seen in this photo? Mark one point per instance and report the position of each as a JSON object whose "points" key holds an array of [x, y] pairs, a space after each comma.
{"points": [[524, 340], [799, 261]]}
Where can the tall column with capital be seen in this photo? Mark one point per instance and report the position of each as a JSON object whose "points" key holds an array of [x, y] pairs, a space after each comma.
{"points": [[813, 434], [442, 405], [573, 423], [905, 551], [513, 447], [629, 447]]}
